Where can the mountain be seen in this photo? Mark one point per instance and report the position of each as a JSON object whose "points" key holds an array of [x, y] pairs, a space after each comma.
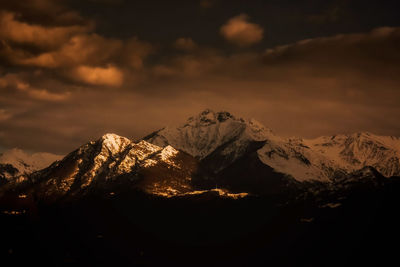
{"points": [[201, 135], [115, 163], [7, 171], [216, 190], [219, 139], [211, 152], [17, 162], [226, 147], [355, 151]]}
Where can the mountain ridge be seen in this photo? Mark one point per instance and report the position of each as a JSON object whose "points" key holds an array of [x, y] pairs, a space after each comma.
{"points": [[25, 163], [303, 159], [212, 149]]}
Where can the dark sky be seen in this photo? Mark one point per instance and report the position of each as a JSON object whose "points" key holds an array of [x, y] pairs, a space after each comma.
{"points": [[71, 70]]}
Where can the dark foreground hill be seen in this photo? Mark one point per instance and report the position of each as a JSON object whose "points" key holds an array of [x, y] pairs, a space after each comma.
{"points": [[354, 227]]}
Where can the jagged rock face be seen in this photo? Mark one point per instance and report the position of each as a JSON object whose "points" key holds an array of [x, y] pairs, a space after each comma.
{"points": [[114, 160], [217, 139], [203, 134], [7, 171]]}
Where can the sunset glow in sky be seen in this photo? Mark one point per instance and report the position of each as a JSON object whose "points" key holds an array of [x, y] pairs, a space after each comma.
{"points": [[73, 70]]}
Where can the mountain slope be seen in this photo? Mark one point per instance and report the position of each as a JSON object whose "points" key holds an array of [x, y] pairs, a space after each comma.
{"points": [[332, 157], [355, 151], [200, 135], [219, 139], [111, 164], [216, 138], [110, 161], [26, 163], [211, 150]]}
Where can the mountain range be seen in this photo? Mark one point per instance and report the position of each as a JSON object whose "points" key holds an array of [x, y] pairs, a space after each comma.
{"points": [[16, 162], [217, 190], [211, 152]]}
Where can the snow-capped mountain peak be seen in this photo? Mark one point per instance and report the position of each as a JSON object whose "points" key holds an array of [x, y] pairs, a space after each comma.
{"points": [[168, 152], [201, 135], [227, 138], [113, 159], [114, 143], [220, 149]]}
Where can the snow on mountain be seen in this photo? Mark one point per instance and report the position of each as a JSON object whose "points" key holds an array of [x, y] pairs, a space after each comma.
{"points": [[221, 133], [203, 134], [355, 151], [217, 137], [101, 160], [210, 148], [114, 162], [110, 161], [26, 163], [330, 157], [322, 159], [296, 160]]}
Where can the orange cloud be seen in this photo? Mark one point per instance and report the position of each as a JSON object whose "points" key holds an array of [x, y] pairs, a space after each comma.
{"points": [[19, 32], [4, 115], [110, 75], [241, 32], [134, 52], [186, 44], [80, 49], [189, 66], [42, 94], [15, 82]]}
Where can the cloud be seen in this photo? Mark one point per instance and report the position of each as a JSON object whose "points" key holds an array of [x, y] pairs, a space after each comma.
{"points": [[86, 54], [14, 82], [241, 32], [4, 115], [189, 66], [373, 55], [89, 49], [80, 49], [134, 52], [109, 76], [44, 12], [184, 43], [54, 91], [15, 31], [33, 35], [43, 94]]}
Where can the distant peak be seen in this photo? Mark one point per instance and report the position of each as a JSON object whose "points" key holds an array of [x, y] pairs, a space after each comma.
{"points": [[209, 116], [224, 115], [206, 111], [114, 142], [111, 136]]}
